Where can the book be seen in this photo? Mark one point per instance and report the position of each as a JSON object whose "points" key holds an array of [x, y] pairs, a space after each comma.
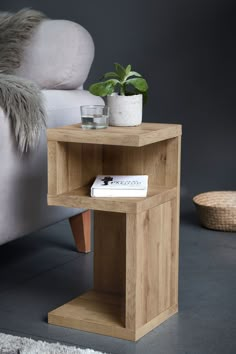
{"points": [[120, 186]]}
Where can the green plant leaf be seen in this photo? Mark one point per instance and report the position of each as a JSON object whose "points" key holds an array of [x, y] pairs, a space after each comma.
{"points": [[120, 70], [112, 82], [103, 88], [98, 89], [145, 97], [111, 75], [133, 73], [139, 83], [128, 69]]}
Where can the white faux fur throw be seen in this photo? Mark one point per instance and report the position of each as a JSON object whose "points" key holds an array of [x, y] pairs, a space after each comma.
{"points": [[20, 99], [19, 345]]}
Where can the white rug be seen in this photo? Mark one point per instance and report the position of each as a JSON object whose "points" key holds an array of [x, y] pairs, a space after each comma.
{"points": [[19, 345]]}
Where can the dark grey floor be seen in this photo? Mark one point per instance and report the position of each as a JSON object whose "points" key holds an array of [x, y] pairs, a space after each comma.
{"points": [[42, 271]]}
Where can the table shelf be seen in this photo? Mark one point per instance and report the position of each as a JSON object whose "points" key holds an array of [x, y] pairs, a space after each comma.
{"points": [[141, 135], [102, 313], [80, 198], [94, 311]]}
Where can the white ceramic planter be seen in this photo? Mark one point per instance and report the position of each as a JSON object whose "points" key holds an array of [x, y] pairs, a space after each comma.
{"points": [[125, 111]]}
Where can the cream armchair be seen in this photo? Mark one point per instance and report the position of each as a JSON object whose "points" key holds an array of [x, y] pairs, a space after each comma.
{"points": [[58, 59]]}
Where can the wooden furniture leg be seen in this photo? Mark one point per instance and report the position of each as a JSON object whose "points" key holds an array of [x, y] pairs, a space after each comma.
{"points": [[81, 229]]}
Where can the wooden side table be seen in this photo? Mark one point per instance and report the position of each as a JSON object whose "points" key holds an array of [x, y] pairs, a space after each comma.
{"points": [[136, 240]]}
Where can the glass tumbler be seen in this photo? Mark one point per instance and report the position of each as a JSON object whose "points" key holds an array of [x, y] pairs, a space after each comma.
{"points": [[94, 117]]}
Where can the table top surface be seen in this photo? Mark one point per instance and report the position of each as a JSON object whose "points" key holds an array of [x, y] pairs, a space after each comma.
{"points": [[144, 134]]}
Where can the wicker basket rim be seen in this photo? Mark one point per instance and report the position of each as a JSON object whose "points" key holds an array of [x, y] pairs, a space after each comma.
{"points": [[212, 194]]}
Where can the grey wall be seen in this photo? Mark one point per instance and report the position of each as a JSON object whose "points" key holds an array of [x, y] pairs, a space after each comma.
{"points": [[186, 50]]}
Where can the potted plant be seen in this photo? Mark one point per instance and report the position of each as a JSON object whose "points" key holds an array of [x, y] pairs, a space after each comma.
{"points": [[125, 90]]}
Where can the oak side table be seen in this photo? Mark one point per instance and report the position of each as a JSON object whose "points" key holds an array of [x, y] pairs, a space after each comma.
{"points": [[136, 240]]}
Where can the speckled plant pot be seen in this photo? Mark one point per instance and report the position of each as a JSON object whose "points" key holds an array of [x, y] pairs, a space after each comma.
{"points": [[125, 111]]}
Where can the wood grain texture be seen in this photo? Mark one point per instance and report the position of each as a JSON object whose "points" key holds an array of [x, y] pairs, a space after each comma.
{"points": [[74, 172], [75, 166], [62, 168], [132, 239], [148, 265], [172, 171], [94, 312], [175, 227], [144, 134], [81, 230], [161, 163], [80, 198], [156, 321], [136, 250], [154, 160], [109, 252], [100, 313], [122, 160], [158, 160], [57, 167], [72, 166], [52, 168]]}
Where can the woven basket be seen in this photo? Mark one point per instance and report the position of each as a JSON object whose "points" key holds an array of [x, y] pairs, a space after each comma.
{"points": [[217, 210]]}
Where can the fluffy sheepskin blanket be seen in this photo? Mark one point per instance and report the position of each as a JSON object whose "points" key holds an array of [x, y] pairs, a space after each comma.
{"points": [[20, 99]]}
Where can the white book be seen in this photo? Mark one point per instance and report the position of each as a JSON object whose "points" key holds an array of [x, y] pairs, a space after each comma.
{"points": [[120, 186]]}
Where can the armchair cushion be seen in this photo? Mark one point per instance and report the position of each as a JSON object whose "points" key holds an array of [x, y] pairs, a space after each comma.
{"points": [[58, 55], [23, 181]]}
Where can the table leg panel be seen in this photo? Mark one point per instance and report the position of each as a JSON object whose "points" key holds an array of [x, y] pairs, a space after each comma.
{"points": [[109, 252], [150, 264]]}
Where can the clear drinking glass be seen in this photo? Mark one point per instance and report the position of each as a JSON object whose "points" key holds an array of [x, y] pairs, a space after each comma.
{"points": [[94, 117]]}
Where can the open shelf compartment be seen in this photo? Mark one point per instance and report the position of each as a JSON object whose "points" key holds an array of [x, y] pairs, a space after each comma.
{"points": [[94, 311], [135, 275], [74, 166]]}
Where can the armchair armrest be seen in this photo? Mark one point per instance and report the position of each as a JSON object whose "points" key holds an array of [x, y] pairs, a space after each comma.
{"points": [[58, 56]]}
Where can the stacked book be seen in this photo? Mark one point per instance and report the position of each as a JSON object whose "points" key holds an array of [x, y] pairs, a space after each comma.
{"points": [[120, 186]]}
